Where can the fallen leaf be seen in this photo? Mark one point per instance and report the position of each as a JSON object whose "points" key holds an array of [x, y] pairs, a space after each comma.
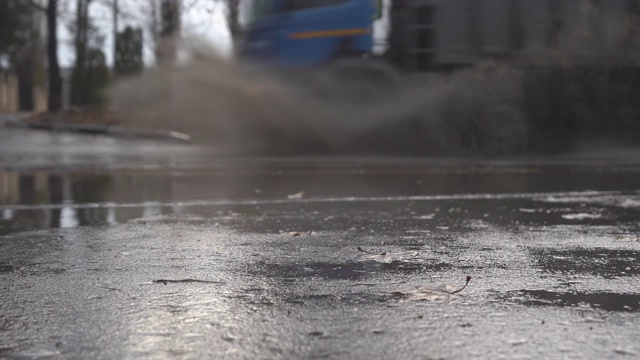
{"points": [[166, 281], [385, 257], [424, 293], [371, 253], [299, 233], [581, 216], [299, 195], [229, 338], [516, 342], [425, 217], [625, 352]]}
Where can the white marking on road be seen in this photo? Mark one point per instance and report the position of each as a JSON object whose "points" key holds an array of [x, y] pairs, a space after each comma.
{"points": [[312, 200]]}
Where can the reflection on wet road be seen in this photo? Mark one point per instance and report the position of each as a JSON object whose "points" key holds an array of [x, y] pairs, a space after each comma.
{"points": [[218, 262], [51, 199]]}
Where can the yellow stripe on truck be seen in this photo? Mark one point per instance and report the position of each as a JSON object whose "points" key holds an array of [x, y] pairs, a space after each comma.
{"points": [[329, 33]]}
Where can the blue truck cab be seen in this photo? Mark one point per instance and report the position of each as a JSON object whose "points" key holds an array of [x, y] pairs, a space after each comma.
{"points": [[308, 33]]}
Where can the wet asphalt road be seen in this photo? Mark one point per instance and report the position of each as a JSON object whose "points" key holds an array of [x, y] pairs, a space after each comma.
{"points": [[142, 250]]}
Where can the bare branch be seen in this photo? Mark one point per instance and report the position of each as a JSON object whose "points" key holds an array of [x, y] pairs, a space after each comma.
{"points": [[37, 6]]}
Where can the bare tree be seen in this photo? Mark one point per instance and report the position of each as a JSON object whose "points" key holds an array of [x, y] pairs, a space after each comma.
{"points": [[52, 11], [234, 16], [115, 6], [170, 16], [90, 73], [81, 32], [161, 19], [55, 80]]}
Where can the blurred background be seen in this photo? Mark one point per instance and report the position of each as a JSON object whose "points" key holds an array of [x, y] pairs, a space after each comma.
{"points": [[426, 77], [267, 178], [100, 96]]}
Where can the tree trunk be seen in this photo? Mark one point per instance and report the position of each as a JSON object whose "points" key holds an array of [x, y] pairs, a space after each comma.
{"points": [[79, 91], [234, 13], [166, 49], [116, 10], [24, 70], [55, 81]]}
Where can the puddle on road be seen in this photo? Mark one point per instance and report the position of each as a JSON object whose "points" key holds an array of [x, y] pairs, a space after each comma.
{"points": [[601, 300], [35, 199], [343, 271], [608, 263]]}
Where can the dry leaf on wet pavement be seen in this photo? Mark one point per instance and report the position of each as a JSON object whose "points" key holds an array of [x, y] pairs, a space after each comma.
{"points": [[425, 293], [299, 195], [387, 257]]}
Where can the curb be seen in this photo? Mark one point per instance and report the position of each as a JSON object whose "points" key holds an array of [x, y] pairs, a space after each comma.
{"points": [[99, 130]]}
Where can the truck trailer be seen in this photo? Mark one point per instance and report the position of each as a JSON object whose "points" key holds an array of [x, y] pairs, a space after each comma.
{"points": [[308, 33], [430, 35], [571, 66]]}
